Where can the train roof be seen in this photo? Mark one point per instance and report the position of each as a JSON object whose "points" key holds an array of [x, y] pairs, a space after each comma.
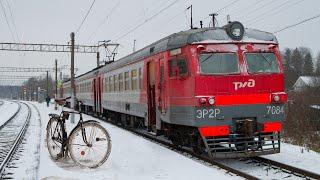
{"points": [[191, 36]]}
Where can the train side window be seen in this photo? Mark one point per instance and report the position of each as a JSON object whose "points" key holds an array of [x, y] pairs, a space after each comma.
{"points": [[134, 80], [116, 84], [126, 81], [179, 65], [120, 82], [140, 78], [110, 84], [107, 84]]}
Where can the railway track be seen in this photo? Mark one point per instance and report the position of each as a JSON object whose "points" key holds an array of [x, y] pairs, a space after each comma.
{"points": [[11, 135], [265, 165], [297, 171]]}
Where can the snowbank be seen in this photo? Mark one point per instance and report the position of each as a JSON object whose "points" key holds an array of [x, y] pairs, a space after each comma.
{"points": [[132, 157]]}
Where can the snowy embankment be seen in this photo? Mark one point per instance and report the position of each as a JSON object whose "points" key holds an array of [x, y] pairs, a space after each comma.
{"points": [[132, 157], [7, 109], [297, 156]]}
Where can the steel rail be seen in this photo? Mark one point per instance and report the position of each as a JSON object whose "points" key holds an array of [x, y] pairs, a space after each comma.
{"points": [[295, 170], [183, 151], [12, 117], [16, 143]]}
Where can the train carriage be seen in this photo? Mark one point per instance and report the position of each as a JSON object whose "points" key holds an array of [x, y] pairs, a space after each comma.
{"points": [[217, 90]]}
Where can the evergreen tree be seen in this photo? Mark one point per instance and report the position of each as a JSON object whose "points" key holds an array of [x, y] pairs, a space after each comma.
{"points": [[287, 58], [308, 64], [297, 61], [318, 65]]}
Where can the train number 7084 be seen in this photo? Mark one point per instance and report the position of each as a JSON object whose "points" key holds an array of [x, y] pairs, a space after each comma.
{"points": [[275, 109]]}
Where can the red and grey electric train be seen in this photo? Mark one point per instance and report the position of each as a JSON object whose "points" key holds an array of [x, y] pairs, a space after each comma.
{"points": [[217, 90]]}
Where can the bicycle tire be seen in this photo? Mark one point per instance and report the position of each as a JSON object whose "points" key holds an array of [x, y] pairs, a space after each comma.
{"points": [[79, 156], [54, 146]]}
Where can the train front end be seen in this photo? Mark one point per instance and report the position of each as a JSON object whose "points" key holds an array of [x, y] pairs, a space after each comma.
{"points": [[239, 94]]}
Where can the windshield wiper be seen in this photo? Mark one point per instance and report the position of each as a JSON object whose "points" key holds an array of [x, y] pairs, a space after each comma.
{"points": [[207, 58], [266, 59]]}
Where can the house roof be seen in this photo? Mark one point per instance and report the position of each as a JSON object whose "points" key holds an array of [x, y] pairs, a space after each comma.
{"points": [[307, 81]]}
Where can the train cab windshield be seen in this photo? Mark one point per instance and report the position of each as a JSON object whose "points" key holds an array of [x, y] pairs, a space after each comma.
{"points": [[262, 63], [218, 63]]}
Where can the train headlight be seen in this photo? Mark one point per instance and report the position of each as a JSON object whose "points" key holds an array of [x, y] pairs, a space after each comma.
{"points": [[235, 30], [280, 97], [276, 98], [202, 100], [211, 101]]}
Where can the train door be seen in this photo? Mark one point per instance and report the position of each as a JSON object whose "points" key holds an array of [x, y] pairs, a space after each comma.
{"points": [[161, 87], [151, 96], [99, 95], [95, 99]]}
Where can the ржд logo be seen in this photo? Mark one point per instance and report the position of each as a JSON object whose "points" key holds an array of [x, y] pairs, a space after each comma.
{"points": [[249, 83]]}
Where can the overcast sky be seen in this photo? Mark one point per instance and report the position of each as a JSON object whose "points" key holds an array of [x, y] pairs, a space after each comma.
{"points": [[52, 21]]}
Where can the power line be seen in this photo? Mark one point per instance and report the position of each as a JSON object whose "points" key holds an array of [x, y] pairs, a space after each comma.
{"points": [[5, 15], [268, 11], [258, 8], [226, 6], [278, 11], [237, 10], [85, 17], [147, 20], [301, 22], [104, 20], [13, 21], [141, 18]]}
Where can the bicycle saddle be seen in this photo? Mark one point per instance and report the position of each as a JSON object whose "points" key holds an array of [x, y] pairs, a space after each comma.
{"points": [[54, 115]]}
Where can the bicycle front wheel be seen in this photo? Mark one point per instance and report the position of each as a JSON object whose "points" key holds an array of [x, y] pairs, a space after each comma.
{"points": [[54, 138], [89, 146]]}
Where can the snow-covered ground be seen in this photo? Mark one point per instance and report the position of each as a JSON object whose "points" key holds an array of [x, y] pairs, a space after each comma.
{"points": [[297, 156], [7, 109], [132, 157]]}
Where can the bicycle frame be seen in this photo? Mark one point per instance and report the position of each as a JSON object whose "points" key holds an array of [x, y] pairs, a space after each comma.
{"points": [[65, 138]]}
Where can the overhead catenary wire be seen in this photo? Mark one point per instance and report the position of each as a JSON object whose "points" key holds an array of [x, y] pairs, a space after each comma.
{"points": [[147, 20], [296, 24], [257, 8], [277, 11], [155, 7], [228, 5], [104, 20], [13, 21], [85, 17], [237, 10], [6, 18]]}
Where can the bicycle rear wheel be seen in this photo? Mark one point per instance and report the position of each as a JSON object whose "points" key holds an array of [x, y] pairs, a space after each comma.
{"points": [[97, 149], [54, 138]]}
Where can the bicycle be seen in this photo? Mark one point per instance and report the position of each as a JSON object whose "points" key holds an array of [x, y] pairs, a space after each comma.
{"points": [[89, 144]]}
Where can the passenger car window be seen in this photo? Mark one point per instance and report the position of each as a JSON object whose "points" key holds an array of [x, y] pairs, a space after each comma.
{"points": [[262, 63], [181, 64], [218, 63]]}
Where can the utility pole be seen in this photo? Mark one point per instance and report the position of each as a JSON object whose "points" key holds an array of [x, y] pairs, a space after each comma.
{"points": [[134, 45], [73, 87], [213, 15], [98, 59], [47, 84], [56, 91], [61, 79]]}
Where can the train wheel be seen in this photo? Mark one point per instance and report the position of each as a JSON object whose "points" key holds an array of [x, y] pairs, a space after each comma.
{"points": [[199, 147]]}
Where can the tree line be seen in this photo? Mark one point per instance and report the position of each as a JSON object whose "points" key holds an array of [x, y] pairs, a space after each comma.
{"points": [[299, 62]]}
